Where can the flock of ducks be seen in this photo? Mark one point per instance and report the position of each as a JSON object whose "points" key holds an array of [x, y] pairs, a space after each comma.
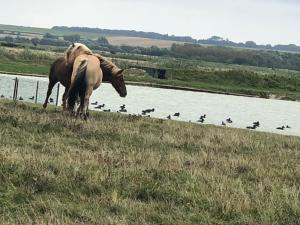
{"points": [[32, 98], [146, 113]]}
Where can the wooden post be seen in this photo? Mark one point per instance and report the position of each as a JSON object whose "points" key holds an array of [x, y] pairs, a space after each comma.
{"points": [[15, 86], [15, 96], [36, 92], [57, 95]]}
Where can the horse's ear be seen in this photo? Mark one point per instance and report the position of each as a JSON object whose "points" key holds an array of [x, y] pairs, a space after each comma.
{"points": [[120, 72]]}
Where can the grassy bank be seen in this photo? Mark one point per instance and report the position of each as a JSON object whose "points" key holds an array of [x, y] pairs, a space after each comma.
{"points": [[235, 79], [120, 170]]}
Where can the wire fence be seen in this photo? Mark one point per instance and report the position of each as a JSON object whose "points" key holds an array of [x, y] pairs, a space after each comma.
{"points": [[31, 89]]}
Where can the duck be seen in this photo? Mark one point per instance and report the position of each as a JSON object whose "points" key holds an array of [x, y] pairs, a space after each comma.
{"points": [[123, 110], [203, 117], [106, 110], [21, 99], [223, 123], [31, 98], [100, 106], [229, 120], [288, 127], [251, 127], [257, 124], [177, 114], [169, 117], [51, 100], [122, 106], [94, 103], [200, 120], [280, 128]]}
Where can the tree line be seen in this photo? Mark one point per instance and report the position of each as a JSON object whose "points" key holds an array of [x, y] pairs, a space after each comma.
{"points": [[214, 40], [229, 55]]}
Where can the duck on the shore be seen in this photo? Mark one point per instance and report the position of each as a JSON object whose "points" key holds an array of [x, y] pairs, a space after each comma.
{"points": [[144, 112], [31, 98], [123, 110], [280, 128], [288, 127], [106, 110], [177, 114], [251, 127], [169, 117], [21, 99], [203, 116], [229, 120], [257, 124], [122, 106], [94, 103], [100, 106], [201, 120], [223, 123]]}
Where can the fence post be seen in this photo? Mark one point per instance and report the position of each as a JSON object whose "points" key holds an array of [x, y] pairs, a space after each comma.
{"points": [[15, 86], [57, 95], [36, 92], [15, 96]]}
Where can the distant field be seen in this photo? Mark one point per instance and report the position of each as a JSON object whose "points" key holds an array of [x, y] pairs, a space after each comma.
{"points": [[119, 40], [141, 42]]}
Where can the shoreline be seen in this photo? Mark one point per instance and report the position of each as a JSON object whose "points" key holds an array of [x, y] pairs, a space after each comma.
{"points": [[168, 86]]}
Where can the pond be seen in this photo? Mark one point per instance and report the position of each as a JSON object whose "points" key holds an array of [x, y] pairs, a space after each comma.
{"points": [[243, 111]]}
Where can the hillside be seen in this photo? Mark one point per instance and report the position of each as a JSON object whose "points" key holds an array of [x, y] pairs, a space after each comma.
{"points": [[153, 38], [116, 169]]}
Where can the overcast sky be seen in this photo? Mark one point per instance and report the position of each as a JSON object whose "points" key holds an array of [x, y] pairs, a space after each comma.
{"points": [[263, 21]]}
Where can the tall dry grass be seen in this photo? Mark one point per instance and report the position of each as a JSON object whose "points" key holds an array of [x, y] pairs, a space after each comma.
{"points": [[116, 169]]}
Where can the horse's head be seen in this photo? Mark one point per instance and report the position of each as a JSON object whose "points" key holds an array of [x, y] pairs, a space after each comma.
{"points": [[75, 50], [114, 75]]}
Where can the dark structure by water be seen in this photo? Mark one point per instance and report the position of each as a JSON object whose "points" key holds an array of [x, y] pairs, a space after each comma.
{"points": [[154, 72]]}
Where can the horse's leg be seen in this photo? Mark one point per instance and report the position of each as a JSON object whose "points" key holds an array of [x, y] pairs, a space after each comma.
{"points": [[50, 87], [87, 96], [64, 99]]}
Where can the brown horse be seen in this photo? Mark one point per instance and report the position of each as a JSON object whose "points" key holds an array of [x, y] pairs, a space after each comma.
{"points": [[61, 71], [87, 76]]}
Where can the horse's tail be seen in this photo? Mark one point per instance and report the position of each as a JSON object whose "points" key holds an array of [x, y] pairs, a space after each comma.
{"points": [[79, 85]]}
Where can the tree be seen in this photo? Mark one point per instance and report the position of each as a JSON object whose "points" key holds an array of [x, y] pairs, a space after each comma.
{"points": [[8, 39], [250, 44], [103, 41], [35, 41], [72, 38], [50, 36]]}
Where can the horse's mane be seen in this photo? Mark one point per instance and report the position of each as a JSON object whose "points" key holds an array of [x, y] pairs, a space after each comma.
{"points": [[75, 46], [107, 66]]}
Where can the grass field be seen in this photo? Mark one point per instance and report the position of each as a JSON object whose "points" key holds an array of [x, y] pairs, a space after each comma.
{"points": [[116, 169]]}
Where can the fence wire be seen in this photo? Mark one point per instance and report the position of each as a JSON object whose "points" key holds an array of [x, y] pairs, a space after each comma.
{"points": [[29, 89]]}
